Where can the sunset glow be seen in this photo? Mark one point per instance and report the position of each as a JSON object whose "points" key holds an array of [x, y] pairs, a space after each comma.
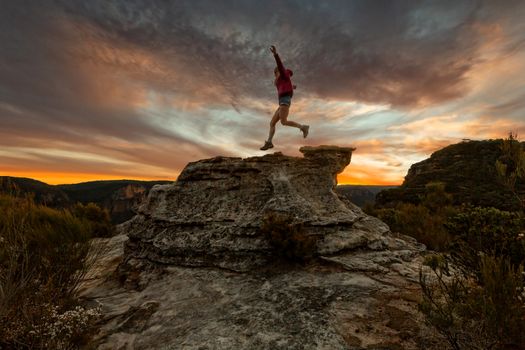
{"points": [[71, 178]]}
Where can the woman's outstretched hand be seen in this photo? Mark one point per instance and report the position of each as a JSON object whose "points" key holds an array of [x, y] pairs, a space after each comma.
{"points": [[273, 49]]}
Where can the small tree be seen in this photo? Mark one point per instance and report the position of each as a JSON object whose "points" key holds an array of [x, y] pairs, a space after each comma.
{"points": [[511, 165], [288, 240], [96, 218]]}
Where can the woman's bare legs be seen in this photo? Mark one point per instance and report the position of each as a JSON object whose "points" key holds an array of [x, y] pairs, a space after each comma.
{"points": [[273, 122], [282, 114]]}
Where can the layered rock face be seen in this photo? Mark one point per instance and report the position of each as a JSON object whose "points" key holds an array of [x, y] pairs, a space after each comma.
{"points": [[211, 216], [207, 277], [123, 201]]}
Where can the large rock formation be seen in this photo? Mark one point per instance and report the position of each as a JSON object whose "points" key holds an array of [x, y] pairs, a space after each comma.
{"points": [[197, 273], [211, 216]]}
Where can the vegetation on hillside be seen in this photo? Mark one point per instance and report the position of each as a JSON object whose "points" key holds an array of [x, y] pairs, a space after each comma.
{"points": [[468, 173], [108, 194], [510, 167], [470, 208], [424, 221], [475, 295], [42, 193], [43, 258]]}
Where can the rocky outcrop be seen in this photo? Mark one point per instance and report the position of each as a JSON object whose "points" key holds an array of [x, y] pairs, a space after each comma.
{"points": [[196, 272], [211, 216], [123, 202], [468, 171]]}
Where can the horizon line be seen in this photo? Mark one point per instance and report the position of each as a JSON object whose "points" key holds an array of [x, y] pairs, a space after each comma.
{"points": [[77, 181]]}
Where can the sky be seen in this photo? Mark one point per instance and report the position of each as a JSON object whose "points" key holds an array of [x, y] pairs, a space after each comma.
{"points": [[131, 89]]}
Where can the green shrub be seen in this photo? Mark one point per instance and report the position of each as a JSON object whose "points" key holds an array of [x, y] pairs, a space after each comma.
{"points": [[288, 240], [97, 218], [501, 300], [424, 221], [43, 258], [482, 310], [510, 165], [436, 198], [489, 231], [419, 222], [481, 304]]}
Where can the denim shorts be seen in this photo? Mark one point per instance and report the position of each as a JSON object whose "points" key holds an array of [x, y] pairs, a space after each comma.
{"points": [[285, 100]]}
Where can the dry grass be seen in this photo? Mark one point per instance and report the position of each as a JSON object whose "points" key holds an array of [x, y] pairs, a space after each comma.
{"points": [[43, 258]]}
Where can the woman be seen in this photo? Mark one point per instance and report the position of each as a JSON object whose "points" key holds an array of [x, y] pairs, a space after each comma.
{"points": [[285, 89]]}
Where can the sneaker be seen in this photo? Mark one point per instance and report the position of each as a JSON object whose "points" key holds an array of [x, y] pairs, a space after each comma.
{"points": [[266, 146], [305, 129]]}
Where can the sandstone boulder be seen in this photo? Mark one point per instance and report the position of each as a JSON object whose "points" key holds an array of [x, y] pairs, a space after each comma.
{"points": [[196, 272], [211, 216]]}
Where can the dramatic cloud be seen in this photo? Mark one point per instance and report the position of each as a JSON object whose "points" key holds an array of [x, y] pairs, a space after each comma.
{"points": [[400, 53], [139, 88]]}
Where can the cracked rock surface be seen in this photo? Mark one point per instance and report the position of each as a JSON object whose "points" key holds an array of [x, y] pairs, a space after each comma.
{"points": [[195, 273]]}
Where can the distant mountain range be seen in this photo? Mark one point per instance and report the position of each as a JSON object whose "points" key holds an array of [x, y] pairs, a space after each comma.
{"points": [[119, 197], [46, 194]]}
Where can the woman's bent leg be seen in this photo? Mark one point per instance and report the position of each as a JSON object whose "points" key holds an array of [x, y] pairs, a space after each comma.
{"points": [[284, 110]]}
